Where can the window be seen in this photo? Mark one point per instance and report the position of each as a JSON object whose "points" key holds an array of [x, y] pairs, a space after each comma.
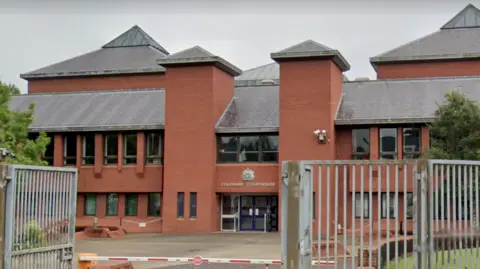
{"points": [[70, 149], [154, 148], [180, 204], [390, 211], [361, 144], [252, 148], [88, 149], [388, 143], [111, 149], [130, 149], [49, 150], [154, 200], [409, 205], [359, 196], [90, 204], [112, 204], [131, 204], [193, 205], [411, 143]]}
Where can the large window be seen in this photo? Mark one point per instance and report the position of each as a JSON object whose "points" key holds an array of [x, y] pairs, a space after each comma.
{"points": [[130, 149], [112, 204], [411, 143], [154, 148], [361, 144], [88, 149], [131, 204], [49, 150], [358, 199], [252, 148], [90, 205], [180, 204], [70, 149], [154, 202], [193, 205], [389, 211], [111, 149], [388, 143]]}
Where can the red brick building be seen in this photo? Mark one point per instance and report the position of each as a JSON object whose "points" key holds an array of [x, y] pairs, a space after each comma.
{"points": [[187, 143]]}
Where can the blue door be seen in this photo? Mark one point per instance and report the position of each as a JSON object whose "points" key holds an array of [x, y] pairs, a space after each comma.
{"points": [[255, 212]]}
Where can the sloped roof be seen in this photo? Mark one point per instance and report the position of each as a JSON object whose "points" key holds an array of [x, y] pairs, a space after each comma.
{"points": [[95, 111], [311, 49], [459, 38], [132, 52], [196, 55]]}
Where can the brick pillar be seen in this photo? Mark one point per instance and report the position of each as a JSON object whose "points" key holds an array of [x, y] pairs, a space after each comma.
{"points": [[99, 154], [140, 154], [58, 150]]}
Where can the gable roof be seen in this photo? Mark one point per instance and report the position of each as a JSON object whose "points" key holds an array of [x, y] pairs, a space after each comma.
{"points": [[94, 111], [459, 38], [198, 55], [310, 49], [132, 52]]}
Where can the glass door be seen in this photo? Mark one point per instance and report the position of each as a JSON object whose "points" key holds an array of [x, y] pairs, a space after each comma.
{"points": [[229, 215], [260, 203], [247, 213]]}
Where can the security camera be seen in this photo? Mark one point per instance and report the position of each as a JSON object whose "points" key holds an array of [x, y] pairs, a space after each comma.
{"points": [[321, 135], [317, 132]]}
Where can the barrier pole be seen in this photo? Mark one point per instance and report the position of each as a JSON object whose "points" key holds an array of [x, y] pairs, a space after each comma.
{"points": [[3, 204], [83, 264]]}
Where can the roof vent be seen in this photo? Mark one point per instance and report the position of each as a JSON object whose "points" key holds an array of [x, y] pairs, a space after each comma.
{"points": [[267, 82], [362, 79]]}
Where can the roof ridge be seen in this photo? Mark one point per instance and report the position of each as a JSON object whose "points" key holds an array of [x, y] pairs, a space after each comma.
{"points": [[414, 79], [134, 37], [93, 91], [468, 17]]}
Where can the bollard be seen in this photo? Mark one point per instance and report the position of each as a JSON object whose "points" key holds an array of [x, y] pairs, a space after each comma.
{"points": [[86, 264]]}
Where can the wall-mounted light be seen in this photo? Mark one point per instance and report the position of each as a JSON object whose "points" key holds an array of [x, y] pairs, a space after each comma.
{"points": [[321, 136]]}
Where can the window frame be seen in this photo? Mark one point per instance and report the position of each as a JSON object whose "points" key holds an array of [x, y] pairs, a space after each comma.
{"points": [[126, 204], [394, 196], [366, 201], [193, 206], [150, 159], [149, 204], [381, 153], [360, 155], [127, 158], [50, 148], [414, 154], [107, 204], [107, 157], [180, 205], [84, 149], [237, 152], [66, 158], [85, 201]]}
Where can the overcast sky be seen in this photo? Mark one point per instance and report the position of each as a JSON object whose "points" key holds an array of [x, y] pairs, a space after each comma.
{"points": [[39, 33]]}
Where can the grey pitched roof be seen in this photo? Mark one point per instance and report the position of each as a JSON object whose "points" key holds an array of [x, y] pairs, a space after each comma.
{"points": [[457, 39], [399, 101], [253, 109], [198, 55], [135, 37], [311, 49], [131, 52], [262, 74], [95, 111]]}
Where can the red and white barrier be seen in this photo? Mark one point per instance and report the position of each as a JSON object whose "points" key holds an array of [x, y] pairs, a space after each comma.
{"points": [[197, 260]]}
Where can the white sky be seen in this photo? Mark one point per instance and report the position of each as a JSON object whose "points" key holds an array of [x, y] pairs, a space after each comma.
{"points": [[39, 33]]}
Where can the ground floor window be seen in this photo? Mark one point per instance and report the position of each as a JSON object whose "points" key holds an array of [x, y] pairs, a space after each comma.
{"points": [[389, 205], [131, 204], [90, 204], [154, 202], [409, 211], [112, 204], [359, 199], [180, 204], [193, 205]]}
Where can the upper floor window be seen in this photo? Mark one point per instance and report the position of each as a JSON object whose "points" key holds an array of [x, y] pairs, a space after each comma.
{"points": [[154, 148], [70, 149], [111, 149], [130, 149], [48, 156], [388, 143], [88, 149], [411, 143], [361, 144], [251, 148]]}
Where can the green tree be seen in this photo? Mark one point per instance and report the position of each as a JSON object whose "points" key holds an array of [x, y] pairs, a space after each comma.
{"points": [[14, 131]]}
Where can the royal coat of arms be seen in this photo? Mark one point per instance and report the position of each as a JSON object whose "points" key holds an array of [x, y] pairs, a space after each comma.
{"points": [[248, 174]]}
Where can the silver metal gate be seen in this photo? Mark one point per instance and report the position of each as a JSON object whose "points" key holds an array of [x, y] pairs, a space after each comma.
{"points": [[40, 217], [382, 214]]}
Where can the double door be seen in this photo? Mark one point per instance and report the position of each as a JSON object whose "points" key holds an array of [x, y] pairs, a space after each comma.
{"points": [[256, 212]]}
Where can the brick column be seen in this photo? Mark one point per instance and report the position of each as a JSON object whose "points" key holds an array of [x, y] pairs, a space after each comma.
{"points": [[58, 150], [99, 155]]}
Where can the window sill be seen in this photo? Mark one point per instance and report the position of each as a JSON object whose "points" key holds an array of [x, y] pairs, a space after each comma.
{"points": [[249, 163], [193, 218], [180, 218]]}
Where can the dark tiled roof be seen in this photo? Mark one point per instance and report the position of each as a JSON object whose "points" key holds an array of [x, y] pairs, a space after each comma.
{"points": [[95, 111], [311, 49], [132, 52], [196, 55], [253, 109], [457, 39], [399, 101]]}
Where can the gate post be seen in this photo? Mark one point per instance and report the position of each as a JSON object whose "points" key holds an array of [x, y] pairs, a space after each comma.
{"points": [[3, 204], [293, 252]]}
